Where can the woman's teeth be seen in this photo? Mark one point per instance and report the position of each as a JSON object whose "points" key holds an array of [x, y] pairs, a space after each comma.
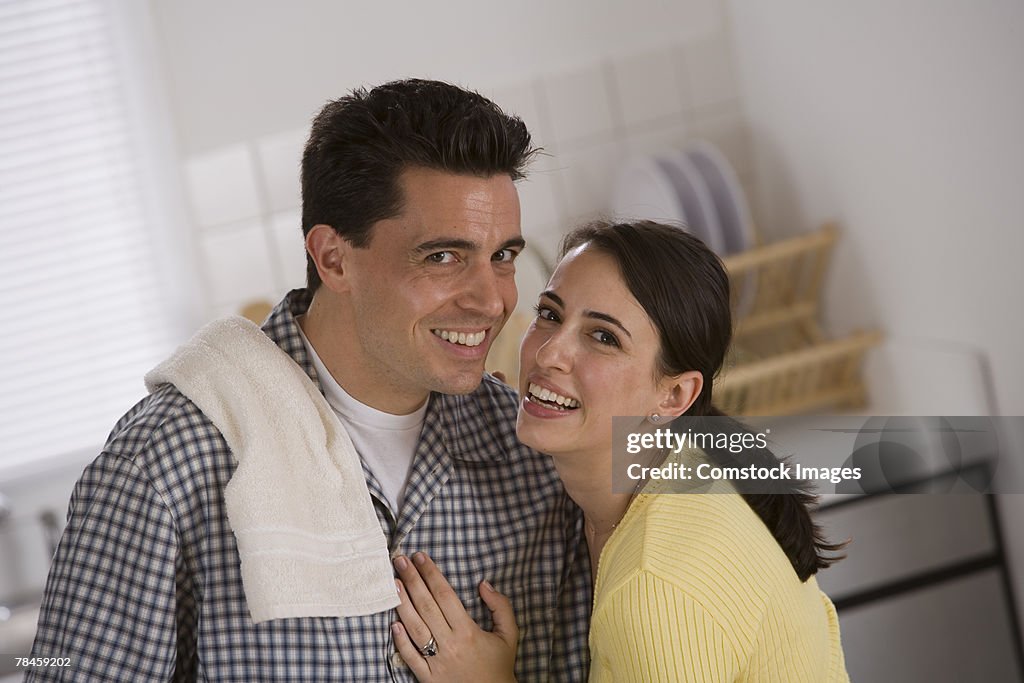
{"points": [[470, 339], [549, 396]]}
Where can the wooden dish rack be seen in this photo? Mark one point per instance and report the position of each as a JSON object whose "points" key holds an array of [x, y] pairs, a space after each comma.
{"points": [[781, 363]]}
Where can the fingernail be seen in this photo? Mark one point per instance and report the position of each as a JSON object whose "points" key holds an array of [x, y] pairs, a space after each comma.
{"points": [[395, 630], [419, 558], [401, 563], [398, 585], [488, 586]]}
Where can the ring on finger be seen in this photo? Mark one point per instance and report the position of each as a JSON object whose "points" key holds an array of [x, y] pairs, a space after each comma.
{"points": [[430, 649]]}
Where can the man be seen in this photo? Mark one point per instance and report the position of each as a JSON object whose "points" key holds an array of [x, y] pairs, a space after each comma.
{"points": [[411, 222]]}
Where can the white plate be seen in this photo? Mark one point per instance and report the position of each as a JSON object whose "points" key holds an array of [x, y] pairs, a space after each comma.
{"points": [[643, 191], [696, 199], [727, 194]]}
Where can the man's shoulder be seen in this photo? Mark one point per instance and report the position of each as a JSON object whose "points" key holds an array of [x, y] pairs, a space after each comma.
{"points": [[481, 427], [168, 439], [504, 398], [492, 406], [489, 411]]}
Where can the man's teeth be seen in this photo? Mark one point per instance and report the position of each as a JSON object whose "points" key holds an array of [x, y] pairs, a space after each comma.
{"points": [[550, 396], [470, 339]]}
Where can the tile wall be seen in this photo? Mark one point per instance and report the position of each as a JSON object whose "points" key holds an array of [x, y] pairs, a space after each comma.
{"points": [[589, 119]]}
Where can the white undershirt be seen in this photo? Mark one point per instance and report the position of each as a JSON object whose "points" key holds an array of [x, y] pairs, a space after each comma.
{"points": [[386, 442]]}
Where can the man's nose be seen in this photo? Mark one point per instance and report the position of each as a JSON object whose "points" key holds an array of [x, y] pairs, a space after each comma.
{"points": [[487, 292]]}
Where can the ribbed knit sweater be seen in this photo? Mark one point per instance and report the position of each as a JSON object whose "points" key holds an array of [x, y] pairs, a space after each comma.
{"points": [[693, 587]]}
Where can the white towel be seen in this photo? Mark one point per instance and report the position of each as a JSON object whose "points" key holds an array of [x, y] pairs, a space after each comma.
{"points": [[309, 541]]}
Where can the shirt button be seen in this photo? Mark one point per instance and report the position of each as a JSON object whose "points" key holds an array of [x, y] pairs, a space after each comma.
{"points": [[397, 661]]}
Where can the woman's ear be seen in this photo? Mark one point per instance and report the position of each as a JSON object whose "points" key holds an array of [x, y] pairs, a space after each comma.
{"points": [[328, 250], [680, 391]]}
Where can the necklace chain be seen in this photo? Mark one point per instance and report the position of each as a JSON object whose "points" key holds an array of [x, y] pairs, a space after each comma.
{"points": [[633, 495], [636, 490]]}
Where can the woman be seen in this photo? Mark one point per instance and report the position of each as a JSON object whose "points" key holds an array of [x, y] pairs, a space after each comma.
{"points": [[635, 321]]}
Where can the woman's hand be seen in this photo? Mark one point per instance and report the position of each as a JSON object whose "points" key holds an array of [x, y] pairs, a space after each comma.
{"points": [[431, 609]]}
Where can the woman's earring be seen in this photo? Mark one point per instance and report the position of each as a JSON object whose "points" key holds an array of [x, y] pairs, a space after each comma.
{"points": [[655, 418]]}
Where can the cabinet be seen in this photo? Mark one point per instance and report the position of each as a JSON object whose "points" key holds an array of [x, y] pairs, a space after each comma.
{"points": [[924, 594]]}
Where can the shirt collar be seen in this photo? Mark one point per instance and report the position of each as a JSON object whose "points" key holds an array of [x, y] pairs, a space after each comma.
{"points": [[479, 426], [282, 327]]}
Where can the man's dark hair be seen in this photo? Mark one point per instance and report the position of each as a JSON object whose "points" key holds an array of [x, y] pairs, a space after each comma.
{"points": [[360, 144]]}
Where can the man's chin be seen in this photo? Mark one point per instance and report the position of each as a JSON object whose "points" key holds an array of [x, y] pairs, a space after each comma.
{"points": [[464, 382]]}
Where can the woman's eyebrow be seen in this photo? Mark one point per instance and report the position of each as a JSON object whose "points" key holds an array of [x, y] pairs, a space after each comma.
{"points": [[588, 313], [554, 297], [608, 319]]}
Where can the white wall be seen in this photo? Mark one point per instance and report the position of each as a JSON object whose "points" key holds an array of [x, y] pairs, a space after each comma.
{"points": [[596, 83], [238, 69], [902, 120]]}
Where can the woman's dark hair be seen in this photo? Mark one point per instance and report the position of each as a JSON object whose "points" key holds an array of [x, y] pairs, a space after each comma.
{"points": [[360, 144], [684, 289]]}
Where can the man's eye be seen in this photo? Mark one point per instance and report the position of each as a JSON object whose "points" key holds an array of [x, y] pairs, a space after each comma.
{"points": [[605, 337], [505, 255], [441, 257]]}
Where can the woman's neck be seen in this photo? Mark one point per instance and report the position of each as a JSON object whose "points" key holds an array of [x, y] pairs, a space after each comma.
{"points": [[587, 479]]}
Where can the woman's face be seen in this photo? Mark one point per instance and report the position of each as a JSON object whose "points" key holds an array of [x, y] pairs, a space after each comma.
{"points": [[595, 348]]}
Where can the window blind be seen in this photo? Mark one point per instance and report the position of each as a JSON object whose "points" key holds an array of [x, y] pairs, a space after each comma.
{"points": [[82, 318]]}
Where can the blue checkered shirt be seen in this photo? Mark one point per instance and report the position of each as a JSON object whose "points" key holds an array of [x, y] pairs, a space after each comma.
{"points": [[146, 585]]}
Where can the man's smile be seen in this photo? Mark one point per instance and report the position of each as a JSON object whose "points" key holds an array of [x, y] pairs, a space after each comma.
{"points": [[465, 338]]}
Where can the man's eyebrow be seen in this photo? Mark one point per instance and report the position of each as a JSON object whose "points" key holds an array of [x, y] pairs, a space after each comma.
{"points": [[443, 243], [588, 313], [446, 243]]}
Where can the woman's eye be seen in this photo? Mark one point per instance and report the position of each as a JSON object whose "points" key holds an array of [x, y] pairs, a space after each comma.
{"points": [[605, 337], [441, 257], [545, 313]]}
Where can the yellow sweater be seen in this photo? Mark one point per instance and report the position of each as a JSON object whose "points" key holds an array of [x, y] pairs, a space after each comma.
{"points": [[693, 587]]}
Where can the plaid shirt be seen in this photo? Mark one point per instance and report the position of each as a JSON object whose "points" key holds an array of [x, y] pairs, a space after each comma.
{"points": [[146, 583]]}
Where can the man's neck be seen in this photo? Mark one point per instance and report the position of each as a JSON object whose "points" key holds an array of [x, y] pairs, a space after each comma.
{"points": [[331, 339]]}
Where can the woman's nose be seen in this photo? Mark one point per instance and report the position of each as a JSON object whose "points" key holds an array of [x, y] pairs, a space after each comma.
{"points": [[556, 352]]}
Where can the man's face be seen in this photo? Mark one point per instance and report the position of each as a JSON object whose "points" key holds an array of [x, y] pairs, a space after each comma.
{"points": [[435, 285]]}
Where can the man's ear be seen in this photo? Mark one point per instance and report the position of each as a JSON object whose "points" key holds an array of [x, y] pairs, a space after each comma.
{"points": [[329, 252], [680, 391]]}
